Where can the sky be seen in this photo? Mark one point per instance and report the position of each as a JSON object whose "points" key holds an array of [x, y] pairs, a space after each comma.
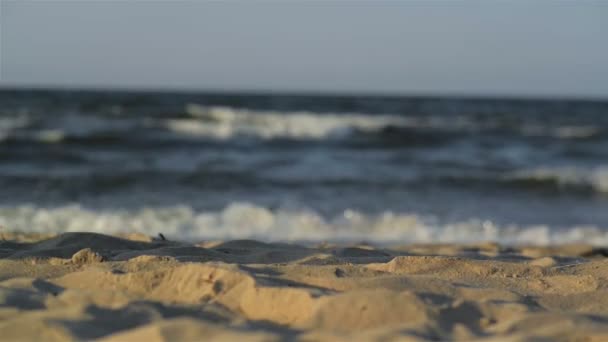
{"points": [[512, 48]]}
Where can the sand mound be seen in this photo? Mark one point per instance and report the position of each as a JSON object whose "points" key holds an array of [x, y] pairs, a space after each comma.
{"points": [[86, 256]]}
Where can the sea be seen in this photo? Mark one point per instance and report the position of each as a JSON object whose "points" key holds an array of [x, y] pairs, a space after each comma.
{"points": [[304, 167]]}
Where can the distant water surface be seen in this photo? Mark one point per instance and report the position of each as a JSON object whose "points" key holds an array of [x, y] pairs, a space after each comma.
{"points": [[296, 167]]}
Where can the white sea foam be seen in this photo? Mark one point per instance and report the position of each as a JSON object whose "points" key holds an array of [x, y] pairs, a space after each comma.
{"points": [[59, 127], [225, 122], [8, 124], [595, 178], [245, 220]]}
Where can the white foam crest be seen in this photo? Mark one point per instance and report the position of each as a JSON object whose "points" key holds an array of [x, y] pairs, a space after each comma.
{"points": [[595, 177], [70, 124], [245, 220], [8, 124], [225, 122]]}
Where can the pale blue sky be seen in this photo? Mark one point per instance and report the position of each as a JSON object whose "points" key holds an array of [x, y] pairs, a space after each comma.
{"points": [[532, 48]]}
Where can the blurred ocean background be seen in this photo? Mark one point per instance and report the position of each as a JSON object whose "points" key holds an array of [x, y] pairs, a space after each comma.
{"points": [[303, 167]]}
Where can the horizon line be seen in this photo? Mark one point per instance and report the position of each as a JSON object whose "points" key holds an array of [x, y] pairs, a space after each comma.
{"points": [[302, 92]]}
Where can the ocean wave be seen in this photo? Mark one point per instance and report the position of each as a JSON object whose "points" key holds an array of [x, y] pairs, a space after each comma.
{"points": [[62, 128], [173, 173], [248, 221], [594, 179], [195, 121], [11, 123], [225, 122]]}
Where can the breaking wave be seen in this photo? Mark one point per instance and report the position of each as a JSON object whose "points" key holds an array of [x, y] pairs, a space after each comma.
{"points": [[228, 122], [594, 179], [10, 123], [245, 220], [225, 122]]}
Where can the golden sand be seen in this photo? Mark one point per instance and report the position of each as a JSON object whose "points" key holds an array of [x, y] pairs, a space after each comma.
{"points": [[83, 286]]}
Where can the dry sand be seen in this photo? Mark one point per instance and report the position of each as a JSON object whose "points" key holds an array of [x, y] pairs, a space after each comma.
{"points": [[83, 286]]}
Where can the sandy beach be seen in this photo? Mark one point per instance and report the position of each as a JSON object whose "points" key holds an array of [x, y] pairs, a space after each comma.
{"points": [[303, 171], [85, 286]]}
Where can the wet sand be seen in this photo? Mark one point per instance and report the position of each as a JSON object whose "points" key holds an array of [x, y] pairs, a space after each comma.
{"points": [[84, 286]]}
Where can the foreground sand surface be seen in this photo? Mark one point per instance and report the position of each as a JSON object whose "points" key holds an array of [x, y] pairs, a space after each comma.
{"points": [[84, 286]]}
